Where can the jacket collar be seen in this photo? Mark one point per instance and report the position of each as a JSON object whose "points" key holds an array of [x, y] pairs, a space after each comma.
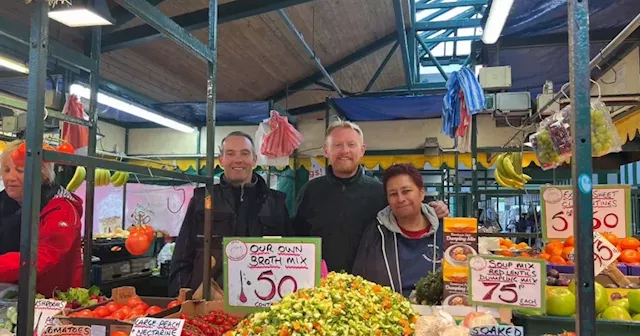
{"points": [[348, 181], [256, 181]]}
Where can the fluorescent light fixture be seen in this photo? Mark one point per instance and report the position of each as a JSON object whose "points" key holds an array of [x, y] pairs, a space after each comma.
{"points": [[81, 13], [13, 65], [83, 91], [498, 14]]}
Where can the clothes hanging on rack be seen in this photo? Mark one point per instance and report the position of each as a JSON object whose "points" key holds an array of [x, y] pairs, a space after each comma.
{"points": [[463, 99]]}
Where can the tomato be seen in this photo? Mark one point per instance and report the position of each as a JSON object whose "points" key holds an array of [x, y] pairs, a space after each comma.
{"points": [[133, 301], [119, 333], [137, 243], [101, 312], [126, 310], [174, 303], [138, 311], [18, 155], [154, 310], [143, 306], [66, 147], [112, 306], [148, 231], [86, 313], [119, 315]]}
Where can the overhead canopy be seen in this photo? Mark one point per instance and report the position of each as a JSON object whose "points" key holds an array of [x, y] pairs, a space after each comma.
{"points": [[390, 108]]}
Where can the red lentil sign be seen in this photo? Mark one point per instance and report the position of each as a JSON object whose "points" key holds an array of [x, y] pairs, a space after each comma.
{"points": [[507, 282], [611, 210]]}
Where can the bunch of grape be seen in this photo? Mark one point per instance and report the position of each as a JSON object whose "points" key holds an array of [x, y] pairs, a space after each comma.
{"points": [[560, 137], [601, 137], [543, 145]]}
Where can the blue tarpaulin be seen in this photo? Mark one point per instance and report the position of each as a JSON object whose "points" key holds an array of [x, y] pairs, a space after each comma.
{"points": [[390, 108]]}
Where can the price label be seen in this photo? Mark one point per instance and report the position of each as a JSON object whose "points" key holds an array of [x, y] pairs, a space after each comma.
{"points": [[611, 210], [604, 253], [316, 169], [498, 330], [66, 330], [147, 326], [507, 282], [44, 311], [261, 271]]}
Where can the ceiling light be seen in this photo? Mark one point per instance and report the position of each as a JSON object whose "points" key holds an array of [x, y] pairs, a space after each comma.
{"points": [[13, 65], [85, 13], [498, 14], [83, 91]]}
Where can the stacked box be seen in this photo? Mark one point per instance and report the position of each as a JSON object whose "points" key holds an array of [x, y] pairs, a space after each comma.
{"points": [[460, 244]]}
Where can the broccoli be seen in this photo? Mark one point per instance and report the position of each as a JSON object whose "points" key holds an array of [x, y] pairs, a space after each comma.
{"points": [[429, 290]]}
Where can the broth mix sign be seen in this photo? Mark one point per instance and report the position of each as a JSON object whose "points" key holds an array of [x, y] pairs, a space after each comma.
{"points": [[611, 210], [261, 271]]}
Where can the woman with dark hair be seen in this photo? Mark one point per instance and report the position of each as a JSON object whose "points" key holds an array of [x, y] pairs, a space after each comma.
{"points": [[402, 246]]}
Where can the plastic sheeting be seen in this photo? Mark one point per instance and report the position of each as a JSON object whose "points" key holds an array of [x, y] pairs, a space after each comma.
{"points": [[390, 108]]}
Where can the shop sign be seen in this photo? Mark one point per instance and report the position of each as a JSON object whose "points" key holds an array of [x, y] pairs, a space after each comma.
{"points": [[497, 330], [44, 311]]}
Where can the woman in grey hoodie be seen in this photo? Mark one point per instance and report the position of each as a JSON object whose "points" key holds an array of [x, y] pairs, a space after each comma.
{"points": [[403, 245]]}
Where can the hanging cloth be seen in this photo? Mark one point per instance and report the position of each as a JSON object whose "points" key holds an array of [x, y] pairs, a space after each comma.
{"points": [[474, 99], [282, 138], [76, 135]]}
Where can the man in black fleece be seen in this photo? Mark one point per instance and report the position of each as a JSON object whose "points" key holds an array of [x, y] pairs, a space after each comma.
{"points": [[340, 205]]}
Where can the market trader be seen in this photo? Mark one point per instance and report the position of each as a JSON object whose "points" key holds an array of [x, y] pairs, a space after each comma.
{"points": [[59, 264], [244, 206], [341, 205]]}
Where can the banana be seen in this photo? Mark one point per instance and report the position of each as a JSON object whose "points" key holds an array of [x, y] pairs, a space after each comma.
{"points": [[115, 177], [508, 167], [516, 160], [508, 182], [526, 178], [499, 164], [78, 177], [102, 177], [121, 180]]}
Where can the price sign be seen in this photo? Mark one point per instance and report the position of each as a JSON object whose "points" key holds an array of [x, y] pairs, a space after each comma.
{"points": [[507, 282], [498, 330], [44, 311], [604, 253], [147, 326], [261, 271], [611, 210]]}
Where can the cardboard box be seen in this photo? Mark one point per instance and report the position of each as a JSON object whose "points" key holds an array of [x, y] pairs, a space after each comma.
{"points": [[460, 243], [201, 307]]}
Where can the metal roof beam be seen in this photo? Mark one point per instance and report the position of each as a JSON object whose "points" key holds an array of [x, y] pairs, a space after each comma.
{"points": [[448, 24], [123, 16], [446, 60], [440, 39], [460, 3], [199, 19], [337, 66], [402, 39], [599, 35]]}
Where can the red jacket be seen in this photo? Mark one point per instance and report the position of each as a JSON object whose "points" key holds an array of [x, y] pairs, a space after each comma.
{"points": [[59, 253]]}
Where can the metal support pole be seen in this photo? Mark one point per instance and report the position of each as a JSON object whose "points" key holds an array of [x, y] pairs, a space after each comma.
{"points": [[327, 110], [474, 163], [581, 164], [315, 59], [94, 77], [456, 184], [411, 43], [402, 39], [433, 58], [381, 67], [29, 227], [211, 142]]}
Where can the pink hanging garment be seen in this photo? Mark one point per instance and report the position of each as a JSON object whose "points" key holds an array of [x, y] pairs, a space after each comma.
{"points": [[282, 139], [77, 136], [465, 117]]}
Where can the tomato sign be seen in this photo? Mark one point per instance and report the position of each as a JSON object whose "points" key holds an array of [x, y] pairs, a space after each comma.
{"points": [[261, 271], [604, 253], [507, 282], [611, 210]]}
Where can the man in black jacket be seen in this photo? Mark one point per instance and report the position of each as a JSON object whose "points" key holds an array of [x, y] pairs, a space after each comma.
{"points": [[244, 206], [339, 206]]}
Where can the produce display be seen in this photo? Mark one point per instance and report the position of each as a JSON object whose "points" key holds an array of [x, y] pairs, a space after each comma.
{"points": [[429, 290], [216, 323], [80, 297], [508, 248], [9, 319], [133, 309], [508, 172], [139, 239], [102, 178], [561, 253], [342, 305]]}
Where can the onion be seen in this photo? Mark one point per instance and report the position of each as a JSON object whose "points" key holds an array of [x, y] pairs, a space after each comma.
{"points": [[478, 319]]}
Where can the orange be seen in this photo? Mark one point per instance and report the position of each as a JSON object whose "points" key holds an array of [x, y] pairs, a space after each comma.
{"points": [[629, 243], [506, 253], [629, 256], [556, 251], [557, 260], [522, 245], [525, 255], [544, 256], [507, 243], [569, 242], [613, 239], [567, 253], [553, 244]]}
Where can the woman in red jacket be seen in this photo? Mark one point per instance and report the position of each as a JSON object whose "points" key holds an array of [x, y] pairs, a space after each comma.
{"points": [[59, 264]]}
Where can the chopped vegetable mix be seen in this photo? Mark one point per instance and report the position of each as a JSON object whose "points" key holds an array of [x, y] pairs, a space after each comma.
{"points": [[343, 305]]}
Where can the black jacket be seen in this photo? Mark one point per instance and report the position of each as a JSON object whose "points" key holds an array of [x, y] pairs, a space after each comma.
{"points": [[262, 212], [338, 211]]}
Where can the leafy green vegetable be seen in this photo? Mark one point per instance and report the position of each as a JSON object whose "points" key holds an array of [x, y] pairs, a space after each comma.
{"points": [[430, 289], [94, 290]]}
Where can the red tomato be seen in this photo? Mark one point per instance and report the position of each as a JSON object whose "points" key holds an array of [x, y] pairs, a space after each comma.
{"points": [[138, 311], [18, 155], [133, 301], [112, 306], [66, 147], [119, 333], [126, 310], [174, 303], [101, 312], [86, 313], [153, 310], [137, 243], [119, 315], [148, 231], [143, 306]]}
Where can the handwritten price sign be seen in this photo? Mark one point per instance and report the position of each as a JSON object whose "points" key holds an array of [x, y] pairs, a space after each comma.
{"points": [[604, 253], [261, 271], [611, 210], [147, 326], [507, 282]]}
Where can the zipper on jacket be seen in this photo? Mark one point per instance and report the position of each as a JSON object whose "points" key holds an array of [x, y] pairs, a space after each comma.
{"points": [[344, 188], [241, 193]]}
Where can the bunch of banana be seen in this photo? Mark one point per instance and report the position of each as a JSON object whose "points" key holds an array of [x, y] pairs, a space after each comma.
{"points": [[103, 177], [118, 179], [77, 179], [508, 171]]}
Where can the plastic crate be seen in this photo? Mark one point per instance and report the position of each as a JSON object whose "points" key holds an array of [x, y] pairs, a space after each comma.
{"points": [[541, 325]]}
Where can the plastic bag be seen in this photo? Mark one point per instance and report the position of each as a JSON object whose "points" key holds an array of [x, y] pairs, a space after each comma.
{"points": [[166, 253], [604, 135], [263, 160]]}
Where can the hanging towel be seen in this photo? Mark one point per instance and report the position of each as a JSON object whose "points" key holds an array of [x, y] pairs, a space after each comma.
{"points": [[450, 108], [465, 81], [77, 136], [473, 92]]}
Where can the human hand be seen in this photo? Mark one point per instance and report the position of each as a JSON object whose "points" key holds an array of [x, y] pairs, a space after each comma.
{"points": [[441, 209]]}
